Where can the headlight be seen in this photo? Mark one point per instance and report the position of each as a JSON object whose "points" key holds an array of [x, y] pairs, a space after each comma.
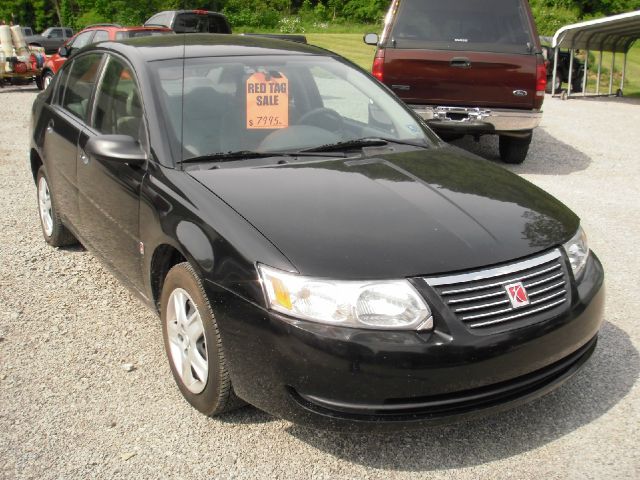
{"points": [[388, 305], [578, 252]]}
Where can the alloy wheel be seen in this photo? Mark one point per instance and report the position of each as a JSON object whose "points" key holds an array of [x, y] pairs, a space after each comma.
{"points": [[187, 343]]}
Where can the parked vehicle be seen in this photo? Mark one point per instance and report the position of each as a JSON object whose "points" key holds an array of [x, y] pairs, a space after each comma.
{"points": [[27, 31], [204, 21], [51, 39], [94, 34], [562, 74], [191, 21], [466, 67], [311, 246]]}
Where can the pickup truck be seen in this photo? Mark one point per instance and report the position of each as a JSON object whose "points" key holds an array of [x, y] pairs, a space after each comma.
{"points": [[467, 67], [51, 39]]}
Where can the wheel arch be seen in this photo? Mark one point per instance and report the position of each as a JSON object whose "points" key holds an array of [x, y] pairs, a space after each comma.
{"points": [[164, 258]]}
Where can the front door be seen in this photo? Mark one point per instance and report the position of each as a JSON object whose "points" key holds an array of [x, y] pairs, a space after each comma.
{"points": [[109, 190]]}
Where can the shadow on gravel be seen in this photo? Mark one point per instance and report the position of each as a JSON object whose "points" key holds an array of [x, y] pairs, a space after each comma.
{"points": [[547, 154], [18, 88], [604, 381]]}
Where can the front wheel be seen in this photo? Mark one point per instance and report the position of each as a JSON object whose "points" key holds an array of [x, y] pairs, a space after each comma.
{"points": [[193, 343], [54, 232], [514, 149]]}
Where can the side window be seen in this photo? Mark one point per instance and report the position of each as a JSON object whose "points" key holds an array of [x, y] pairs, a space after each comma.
{"points": [[82, 39], [118, 105], [100, 36], [56, 33], [82, 77], [68, 32]]}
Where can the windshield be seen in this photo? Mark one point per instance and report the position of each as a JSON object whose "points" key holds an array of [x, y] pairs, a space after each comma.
{"points": [[488, 26], [275, 103]]}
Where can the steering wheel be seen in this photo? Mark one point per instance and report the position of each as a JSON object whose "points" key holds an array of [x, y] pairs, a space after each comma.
{"points": [[324, 118]]}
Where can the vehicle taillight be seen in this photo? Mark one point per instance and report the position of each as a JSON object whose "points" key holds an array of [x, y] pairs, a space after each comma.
{"points": [[541, 79], [378, 65]]}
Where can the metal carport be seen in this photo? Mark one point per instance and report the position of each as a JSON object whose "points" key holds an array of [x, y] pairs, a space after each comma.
{"points": [[614, 34]]}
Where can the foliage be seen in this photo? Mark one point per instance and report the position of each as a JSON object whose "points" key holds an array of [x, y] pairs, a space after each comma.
{"points": [[271, 14]]}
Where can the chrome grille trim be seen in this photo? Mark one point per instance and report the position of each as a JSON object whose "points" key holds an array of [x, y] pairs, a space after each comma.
{"points": [[490, 305], [493, 272], [513, 317], [504, 282], [484, 305]]}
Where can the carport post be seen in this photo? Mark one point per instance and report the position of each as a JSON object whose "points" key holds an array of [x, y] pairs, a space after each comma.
{"points": [[570, 72], [555, 71], [624, 70], [584, 79], [599, 72], [613, 66]]}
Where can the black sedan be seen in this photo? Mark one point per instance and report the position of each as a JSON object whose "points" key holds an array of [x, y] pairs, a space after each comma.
{"points": [[311, 246]]}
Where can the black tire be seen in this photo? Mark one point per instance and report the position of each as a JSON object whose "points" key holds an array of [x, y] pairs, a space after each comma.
{"points": [[218, 396], [39, 82], [55, 233], [514, 149]]}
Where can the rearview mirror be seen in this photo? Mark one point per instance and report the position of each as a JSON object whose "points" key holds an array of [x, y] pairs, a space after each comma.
{"points": [[371, 38], [119, 148], [64, 51]]}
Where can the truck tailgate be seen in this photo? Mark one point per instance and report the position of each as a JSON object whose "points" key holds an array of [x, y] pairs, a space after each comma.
{"points": [[461, 78]]}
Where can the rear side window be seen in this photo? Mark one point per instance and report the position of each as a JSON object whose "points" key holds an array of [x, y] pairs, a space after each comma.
{"points": [[68, 32], [118, 106], [100, 36], [160, 19], [200, 23], [488, 26], [55, 33], [80, 83]]}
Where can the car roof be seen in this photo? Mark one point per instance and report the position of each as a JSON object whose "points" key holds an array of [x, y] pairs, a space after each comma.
{"points": [[120, 28], [194, 45]]}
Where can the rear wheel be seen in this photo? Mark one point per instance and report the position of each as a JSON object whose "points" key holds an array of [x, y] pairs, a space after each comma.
{"points": [[514, 149], [39, 82], [54, 232], [193, 343]]}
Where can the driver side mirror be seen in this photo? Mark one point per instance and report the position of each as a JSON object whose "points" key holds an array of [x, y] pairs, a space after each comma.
{"points": [[371, 39], [64, 51], [117, 148]]}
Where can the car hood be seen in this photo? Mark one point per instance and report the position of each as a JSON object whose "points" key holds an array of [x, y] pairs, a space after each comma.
{"points": [[395, 215]]}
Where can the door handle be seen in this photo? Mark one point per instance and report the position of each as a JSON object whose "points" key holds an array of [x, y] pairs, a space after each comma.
{"points": [[460, 62], [50, 126], [84, 158]]}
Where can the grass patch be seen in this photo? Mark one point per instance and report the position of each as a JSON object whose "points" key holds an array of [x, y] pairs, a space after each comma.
{"points": [[349, 45]]}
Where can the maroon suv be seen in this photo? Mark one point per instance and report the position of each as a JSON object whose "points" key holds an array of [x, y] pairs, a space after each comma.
{"points": [[467, 67]]}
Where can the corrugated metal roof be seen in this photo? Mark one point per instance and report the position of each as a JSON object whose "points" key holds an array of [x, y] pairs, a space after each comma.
{"points": [[610, 34]]}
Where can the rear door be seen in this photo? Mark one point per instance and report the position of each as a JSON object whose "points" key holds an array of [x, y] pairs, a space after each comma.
{"points": [[67, 117], [462, 53]]}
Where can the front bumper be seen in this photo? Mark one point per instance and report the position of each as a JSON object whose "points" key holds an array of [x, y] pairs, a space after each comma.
{"points": [[349, 379], [478, 120]]}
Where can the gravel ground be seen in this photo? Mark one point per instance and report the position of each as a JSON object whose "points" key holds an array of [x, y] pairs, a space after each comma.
{"points": [[70, 409]]}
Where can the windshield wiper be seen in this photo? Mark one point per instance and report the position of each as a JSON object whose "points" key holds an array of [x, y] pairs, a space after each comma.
{"points": [[249, 154], [362, 143]]}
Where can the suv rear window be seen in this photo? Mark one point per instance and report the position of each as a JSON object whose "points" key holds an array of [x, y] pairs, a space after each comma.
{"points": [[487, 26], [198, 23]]}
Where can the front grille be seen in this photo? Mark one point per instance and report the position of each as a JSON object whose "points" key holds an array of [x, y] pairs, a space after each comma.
{"points": [[480, 301]]}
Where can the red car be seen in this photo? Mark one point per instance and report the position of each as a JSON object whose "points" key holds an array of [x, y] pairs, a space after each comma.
{"points": [[94, 34]]}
